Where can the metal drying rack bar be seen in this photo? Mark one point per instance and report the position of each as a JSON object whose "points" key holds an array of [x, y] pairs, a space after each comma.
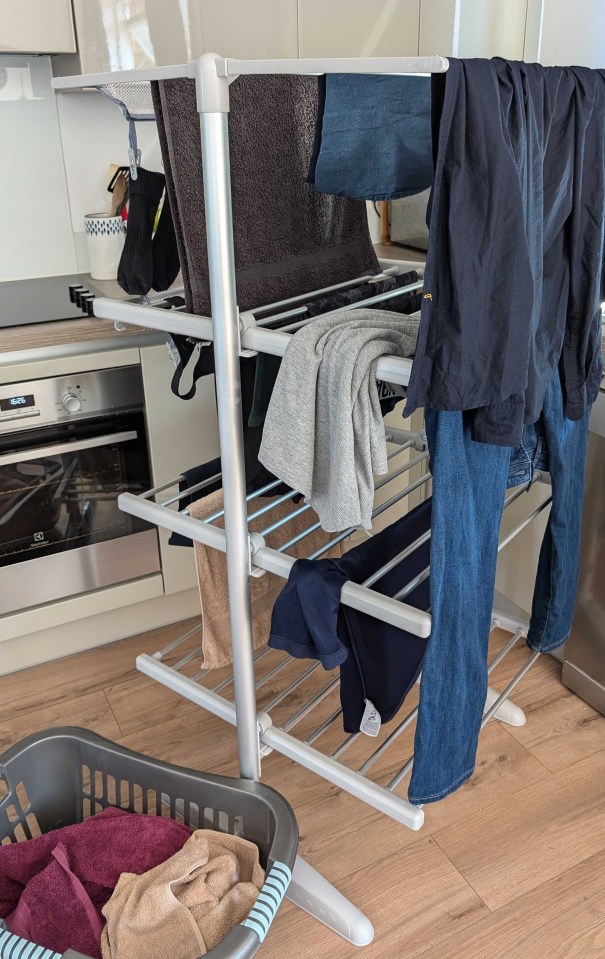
{"points": [[362, 597], [232, 334]]}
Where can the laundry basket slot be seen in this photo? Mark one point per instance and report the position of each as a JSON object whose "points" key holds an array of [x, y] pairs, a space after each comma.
{"points": [[61, 776]]}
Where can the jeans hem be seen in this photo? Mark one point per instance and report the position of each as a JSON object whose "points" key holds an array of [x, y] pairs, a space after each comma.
{"points": [[435, 797], [540, 647]]}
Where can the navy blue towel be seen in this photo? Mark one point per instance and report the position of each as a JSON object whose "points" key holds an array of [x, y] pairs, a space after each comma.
{"points": [[373, 137], [377, 661]]}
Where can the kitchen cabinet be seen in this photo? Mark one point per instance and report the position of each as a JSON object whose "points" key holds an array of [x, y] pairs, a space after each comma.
{"points": [[134, 34], [181, 434], [36, 26], [258, 28], [475, 28], [356, 28], [36, 237], [572, 34]]}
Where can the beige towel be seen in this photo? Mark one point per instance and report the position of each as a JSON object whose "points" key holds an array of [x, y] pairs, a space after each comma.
{"points": [[212, 574], [185, 906]]}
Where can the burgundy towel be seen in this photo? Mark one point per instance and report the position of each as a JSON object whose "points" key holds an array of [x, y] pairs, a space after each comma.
{"points": [[56, 908], [53, 888]]}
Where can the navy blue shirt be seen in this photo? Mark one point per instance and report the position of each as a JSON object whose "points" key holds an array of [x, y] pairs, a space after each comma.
{"points": [[378, 662], [513, 280]]}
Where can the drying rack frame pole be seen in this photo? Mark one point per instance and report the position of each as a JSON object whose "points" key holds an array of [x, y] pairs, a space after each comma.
{"points": [[225, 321], [309, 889]]}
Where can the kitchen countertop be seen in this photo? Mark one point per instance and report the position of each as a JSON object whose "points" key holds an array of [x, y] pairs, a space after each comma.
{"points": [[57, 338], [36, 336]]}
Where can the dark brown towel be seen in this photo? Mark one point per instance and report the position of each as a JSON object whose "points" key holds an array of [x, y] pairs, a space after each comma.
{"points": [[288, 240]]}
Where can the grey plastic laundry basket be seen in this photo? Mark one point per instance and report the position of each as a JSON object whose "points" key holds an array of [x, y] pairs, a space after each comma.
{"points": [[60, 776]]}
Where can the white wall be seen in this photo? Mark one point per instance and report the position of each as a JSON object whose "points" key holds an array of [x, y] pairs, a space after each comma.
{"points": [[35, 229]]}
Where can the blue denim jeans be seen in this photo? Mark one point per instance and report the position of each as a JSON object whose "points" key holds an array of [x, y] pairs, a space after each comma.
{"points": [[469, 481]]}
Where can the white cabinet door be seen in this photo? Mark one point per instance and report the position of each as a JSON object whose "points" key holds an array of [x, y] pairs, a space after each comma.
{"points": [[115, 35], [356, 28], [490, 28], [437, 28], [181, 434], [135, 34], [473, 28], [35, 229], [249, 30], [36, 26], [183, 29], [573, 33]]}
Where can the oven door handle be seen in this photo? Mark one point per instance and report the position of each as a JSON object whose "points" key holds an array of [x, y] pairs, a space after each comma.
{"points": [[76, 446]]}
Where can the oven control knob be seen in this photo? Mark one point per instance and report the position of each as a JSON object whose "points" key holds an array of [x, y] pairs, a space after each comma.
{"points": [[72, 402]]}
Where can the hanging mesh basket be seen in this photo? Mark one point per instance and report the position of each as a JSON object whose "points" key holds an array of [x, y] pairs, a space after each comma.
{"points": [[133, 99]]}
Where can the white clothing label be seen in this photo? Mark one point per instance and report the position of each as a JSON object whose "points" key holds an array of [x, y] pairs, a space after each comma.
{"points": [[371, 719]]}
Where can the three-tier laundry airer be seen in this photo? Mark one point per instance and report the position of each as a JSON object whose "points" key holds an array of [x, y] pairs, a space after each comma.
{"points": [[235, 334]]}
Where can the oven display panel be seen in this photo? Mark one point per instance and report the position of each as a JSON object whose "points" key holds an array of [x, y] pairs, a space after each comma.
{"points": [[17, 403]]}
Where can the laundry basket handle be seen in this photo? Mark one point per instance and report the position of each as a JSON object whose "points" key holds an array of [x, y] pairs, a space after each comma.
{"points": [[244, 940], [269, 899]]}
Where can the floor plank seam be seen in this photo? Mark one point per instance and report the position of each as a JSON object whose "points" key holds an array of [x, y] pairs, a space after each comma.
{"points": [[112, 711], [522, 895], [510, 732], [462, 876], [581, 759]]}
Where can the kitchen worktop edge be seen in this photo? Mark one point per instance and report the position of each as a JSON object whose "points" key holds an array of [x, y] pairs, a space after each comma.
{"points": [[42, 341]]}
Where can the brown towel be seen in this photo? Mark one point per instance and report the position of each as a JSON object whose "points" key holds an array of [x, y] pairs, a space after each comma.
{"points": [[288, 239], [184, 907], [212, 574]]}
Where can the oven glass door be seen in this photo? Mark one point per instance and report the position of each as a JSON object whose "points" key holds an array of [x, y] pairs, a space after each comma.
{"points": [[59, 486]]}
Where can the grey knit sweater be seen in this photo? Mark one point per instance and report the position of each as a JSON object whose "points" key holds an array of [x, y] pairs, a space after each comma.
{"points": [[324, 432]]}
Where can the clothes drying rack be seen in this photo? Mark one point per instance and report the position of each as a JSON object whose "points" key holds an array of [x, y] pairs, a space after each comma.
{"points": [[235, 334]]}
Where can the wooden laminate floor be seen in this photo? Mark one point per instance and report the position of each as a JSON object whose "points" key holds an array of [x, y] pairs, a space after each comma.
{"points": [[510, 867]]}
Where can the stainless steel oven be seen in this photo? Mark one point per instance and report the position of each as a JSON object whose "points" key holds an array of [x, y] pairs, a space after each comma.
{"points": [[68, 446]]}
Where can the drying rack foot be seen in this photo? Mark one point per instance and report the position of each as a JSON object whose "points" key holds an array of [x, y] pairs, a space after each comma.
{"points": [[320, 899], [507, 712]]}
